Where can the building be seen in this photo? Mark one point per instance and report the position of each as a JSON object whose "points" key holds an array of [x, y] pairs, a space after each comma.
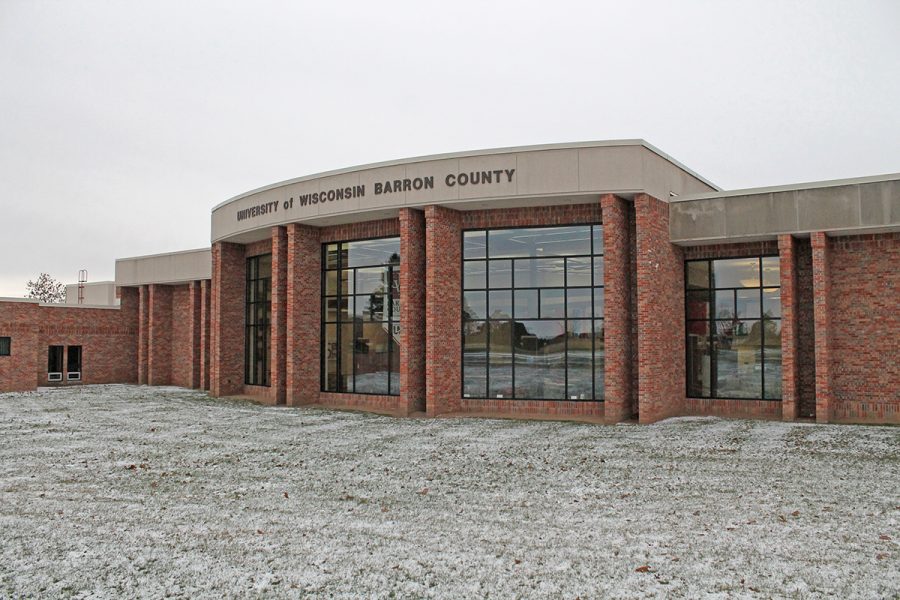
{"points": [[598, 280]]}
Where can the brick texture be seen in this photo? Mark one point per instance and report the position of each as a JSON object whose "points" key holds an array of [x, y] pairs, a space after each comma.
{"points": [[144, 334], [226, 369], [789, 364], [159, 369], [303, 315], [412, 310], [865, 324], [660, 313], [278, 339], [821, 258], [204, 333]]}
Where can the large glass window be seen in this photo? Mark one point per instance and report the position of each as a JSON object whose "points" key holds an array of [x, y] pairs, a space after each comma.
{"points": [[361, 317], [733, 325], [257, 349], [532, 313], [5, 346]]}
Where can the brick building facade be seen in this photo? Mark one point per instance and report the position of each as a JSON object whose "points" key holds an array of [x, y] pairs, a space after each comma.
{"points": [[667, 296]]}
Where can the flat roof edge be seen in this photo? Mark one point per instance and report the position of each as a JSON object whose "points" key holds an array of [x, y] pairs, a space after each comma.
{"points": [[788, 187], [471, 153], [164, 254]]}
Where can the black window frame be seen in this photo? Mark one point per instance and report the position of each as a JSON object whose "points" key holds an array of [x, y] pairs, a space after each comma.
{"points": [[711, 321], [256, 329], [390, 318], [595, 253], [56, 352], [74, 350], [5, 345]]}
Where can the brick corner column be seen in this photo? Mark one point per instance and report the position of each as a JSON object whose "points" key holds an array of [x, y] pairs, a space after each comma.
{"points": [[278, 366], [303, 315], [660, 313], [196, 327], [226, 371], [443, 332], [790, 373], [159, 351], [616, 310], [821, 257], [143, 334], [204, 334], [412, 310]]}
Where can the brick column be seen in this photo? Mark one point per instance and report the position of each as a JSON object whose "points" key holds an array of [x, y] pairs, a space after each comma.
{"points": [[790, 378], [616, 310], [303, 315], [443, 335], [229, 274], [660, 313], [204, 334], [821, 256], [278, 366], [196, 325], [159, 364], [412, 310], [143, 333]]}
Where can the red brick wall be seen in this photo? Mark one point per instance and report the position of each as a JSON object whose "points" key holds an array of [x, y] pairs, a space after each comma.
{"points": [[182, 350], [806, 337], [822, 298], [143, 334], [278, 339], [865, 324], [412, 310], [756, 409], [789, 363], [205, 335], [360, 231], [159, 369], [226, 370], [533, 408], [660, 313], [393, 405], [19, 371], [303, 315]]}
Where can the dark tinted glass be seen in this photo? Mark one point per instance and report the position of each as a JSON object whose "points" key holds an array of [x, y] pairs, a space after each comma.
{"points": [[330, 358], [698, 275], [5, 344], [699, 359], [55, 359]]}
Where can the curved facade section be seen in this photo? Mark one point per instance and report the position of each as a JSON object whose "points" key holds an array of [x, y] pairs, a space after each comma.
{"points": [[515, 177]]}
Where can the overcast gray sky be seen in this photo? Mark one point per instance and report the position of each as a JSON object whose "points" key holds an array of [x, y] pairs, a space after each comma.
{"points": [[123, 123]]}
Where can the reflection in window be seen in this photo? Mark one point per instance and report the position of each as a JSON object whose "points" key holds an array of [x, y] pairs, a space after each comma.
{"points": [[361, 329], [533, 313], [257, 349], [733, 328]]}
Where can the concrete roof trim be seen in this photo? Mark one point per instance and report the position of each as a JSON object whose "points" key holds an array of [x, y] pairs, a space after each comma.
{"points": [[788, 188], [468, 154], [161, 255], [25, 300], [95, 306]]}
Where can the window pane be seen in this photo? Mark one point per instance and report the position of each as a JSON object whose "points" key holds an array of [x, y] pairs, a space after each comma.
{"points": [[578, 272], [370, 308], [579, 363], [500, 360], [372, 280], [599, 298], [474, 305], [698, 275], [265, 266], [736, 272], [771, 271], [73, 359], [748, 303], [579, 303], [373, 252], [347, 286], [527, 304], [772, 302], [395, 363], [371, 357], [772, 354], [331, 256], [395, 308], [724, 304], [331, 281], [474, 275], [598, 239], [345, 380], [55, 359], [539, 241], [738, 359], [699, 360], [696, 305], [475, 359], [500, 304], [553, 304], [500, 274], [598, 270], [540, 272], [474, 244], [330, 355], [4, 346], [540, 359]]}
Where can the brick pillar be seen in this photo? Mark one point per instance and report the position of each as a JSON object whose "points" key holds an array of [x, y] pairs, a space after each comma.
{"points": [[159, 364], [821, 256], [443, 335], [303, 315], [790, 378], [278, 366], [196, 325], [204, 334], [226, 370], [143, 333], [616, 310], [660, 313], [412, 310]]}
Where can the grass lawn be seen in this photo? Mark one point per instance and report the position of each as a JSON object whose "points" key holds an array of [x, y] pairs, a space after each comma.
{"points": [[111, 491]]}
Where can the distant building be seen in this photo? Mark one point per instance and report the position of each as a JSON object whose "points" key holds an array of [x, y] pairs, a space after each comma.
{"points": [[599, 280]]}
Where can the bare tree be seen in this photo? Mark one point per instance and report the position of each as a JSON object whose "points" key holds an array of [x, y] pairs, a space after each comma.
{"points": [[46, 289]]}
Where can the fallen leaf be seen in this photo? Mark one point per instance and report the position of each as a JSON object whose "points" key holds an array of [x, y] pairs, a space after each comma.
{"points": [[285, 495], [643, 569], [886, 538], [423, 491], [796, 513]]}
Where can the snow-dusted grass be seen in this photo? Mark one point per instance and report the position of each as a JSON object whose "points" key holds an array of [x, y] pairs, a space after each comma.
{"points": [[113, 491]]}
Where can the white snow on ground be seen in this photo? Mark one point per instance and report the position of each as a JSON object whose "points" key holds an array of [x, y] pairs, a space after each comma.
{"points": [[112, 491]]}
